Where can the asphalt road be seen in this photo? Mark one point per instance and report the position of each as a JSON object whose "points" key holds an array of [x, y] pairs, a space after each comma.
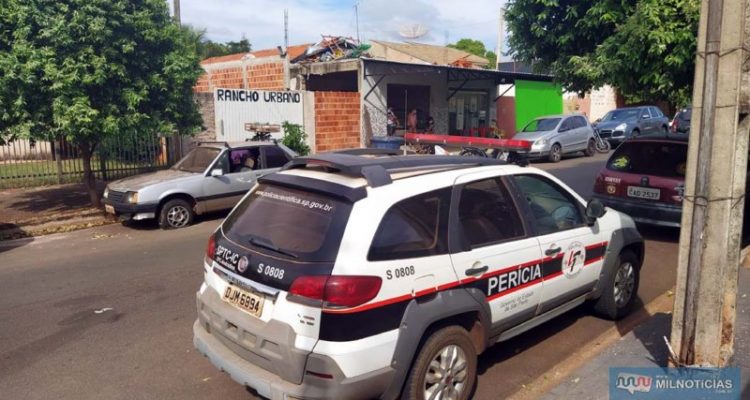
{"points": [[106, 313]]}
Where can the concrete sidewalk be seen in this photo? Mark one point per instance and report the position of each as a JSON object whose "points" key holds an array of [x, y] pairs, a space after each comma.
{"points": [[645, 347], [49, 209]]}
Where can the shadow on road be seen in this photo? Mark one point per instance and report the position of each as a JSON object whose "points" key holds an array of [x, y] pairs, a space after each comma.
{"points": [[529, 339], [652, 334], [659, 233], [15, 243]]}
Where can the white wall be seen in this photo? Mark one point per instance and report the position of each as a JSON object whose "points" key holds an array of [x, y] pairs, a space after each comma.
{"points": [[236, 107]]}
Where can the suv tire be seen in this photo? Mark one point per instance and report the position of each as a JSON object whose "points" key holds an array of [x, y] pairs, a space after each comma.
{"points": [[452, 350], [621, 289], [555, 153], [176, 213], [590, 148]]}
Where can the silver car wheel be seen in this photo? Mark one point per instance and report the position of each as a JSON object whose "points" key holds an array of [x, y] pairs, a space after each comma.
{"points": [[178, 216], [624, 284], [446, 377]]}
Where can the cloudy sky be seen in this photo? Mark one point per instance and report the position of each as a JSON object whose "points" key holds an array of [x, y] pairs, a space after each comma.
{"points": [[262, 21]]}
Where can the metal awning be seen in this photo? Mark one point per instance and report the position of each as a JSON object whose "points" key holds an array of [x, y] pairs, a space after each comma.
{"points": [[452, 74]]}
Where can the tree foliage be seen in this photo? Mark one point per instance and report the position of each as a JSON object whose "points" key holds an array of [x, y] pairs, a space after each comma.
{"points": [[87, 69], [644, 48], [477, 48], [295, 138], [208, 48]]}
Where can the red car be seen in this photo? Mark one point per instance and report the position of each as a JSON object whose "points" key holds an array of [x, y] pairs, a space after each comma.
{"points": [[645, 178]]}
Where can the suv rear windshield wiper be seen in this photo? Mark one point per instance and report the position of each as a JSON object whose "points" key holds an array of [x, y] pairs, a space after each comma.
{"points": [[267, 244]]}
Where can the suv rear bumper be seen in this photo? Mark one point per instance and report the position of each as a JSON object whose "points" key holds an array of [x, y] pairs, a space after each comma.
{"points": [[263, 356], [644, 211], [269, 385]]}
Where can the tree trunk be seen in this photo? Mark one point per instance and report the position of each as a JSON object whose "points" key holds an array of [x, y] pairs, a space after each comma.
{"points": [[88, 175]]}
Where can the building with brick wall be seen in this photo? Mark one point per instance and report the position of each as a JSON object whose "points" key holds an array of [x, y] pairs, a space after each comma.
{"points": [[348, 98], [261, 69]]}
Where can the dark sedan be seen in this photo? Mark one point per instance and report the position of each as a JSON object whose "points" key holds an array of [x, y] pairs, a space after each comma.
{"points": [[623, 123]]}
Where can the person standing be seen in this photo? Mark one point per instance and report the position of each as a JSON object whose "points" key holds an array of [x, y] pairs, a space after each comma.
{"points": [[411, 121], [430, 128], [392, 122]]}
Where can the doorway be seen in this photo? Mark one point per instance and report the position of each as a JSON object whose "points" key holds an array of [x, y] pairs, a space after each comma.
{"points": [[404, 98]]}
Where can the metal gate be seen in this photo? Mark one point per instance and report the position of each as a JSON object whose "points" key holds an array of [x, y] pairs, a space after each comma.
{"points": [[26, 163]]}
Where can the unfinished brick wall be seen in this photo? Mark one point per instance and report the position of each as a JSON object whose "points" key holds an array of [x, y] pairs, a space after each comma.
{"points": [[206, 106], [265, 76], [337, 120]]}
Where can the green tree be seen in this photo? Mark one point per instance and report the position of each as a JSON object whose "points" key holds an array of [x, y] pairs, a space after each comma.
{"points": [[477, 48], [644, 48], [88, 69], [208, 48]]}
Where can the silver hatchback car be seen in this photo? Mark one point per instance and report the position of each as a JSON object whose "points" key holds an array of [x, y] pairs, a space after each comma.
{"points": [[555, 135], [213, 176]]}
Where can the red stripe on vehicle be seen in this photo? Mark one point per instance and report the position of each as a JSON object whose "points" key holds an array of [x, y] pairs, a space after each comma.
{"points": [[593, 260], [450, 285]]}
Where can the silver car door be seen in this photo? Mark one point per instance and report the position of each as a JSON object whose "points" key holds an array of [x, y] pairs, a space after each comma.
{"points": [[565, 135], [237, 177], [581, 133]]}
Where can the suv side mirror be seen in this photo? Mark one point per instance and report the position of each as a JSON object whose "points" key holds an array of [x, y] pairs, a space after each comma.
{"points": [[217, 172], [594, 210], [645, 116]]}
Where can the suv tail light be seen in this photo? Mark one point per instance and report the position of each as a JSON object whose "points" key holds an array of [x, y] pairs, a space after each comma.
{"points": [[337, 290], [210, 249]]}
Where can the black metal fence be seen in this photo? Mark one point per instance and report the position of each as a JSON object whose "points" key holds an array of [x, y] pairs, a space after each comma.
{"points": [[25, 163]]}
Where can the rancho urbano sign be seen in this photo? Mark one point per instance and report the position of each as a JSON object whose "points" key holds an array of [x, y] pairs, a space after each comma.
{"points": [[257, 96], [241, 113]]}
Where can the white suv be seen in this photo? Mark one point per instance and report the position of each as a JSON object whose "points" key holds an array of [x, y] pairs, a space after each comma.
{"points": [[362, 277]]}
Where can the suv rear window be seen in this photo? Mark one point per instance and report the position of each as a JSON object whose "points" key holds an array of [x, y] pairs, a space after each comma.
{"points": [[415, 227], [667, 159], [305, 225]]}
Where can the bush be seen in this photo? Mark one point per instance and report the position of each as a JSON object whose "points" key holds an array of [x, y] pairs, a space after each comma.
{"points": [[295, 138]]}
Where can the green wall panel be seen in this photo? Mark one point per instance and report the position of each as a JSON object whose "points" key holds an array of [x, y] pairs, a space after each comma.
{"points": [[535, 99]]}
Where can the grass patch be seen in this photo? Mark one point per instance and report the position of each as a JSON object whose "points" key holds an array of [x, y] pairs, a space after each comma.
{"points": [[15, 174]]}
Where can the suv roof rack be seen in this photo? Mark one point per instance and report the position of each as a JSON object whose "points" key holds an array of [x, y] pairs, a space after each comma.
{"points": [[376, 170], [225, 144], [368, 151]]}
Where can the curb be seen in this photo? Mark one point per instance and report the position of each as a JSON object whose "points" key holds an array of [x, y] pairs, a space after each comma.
{"points": [[63, 222], [559, 373]]}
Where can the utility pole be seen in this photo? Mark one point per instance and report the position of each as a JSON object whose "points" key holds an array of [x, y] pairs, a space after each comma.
{"points": [[176, 11], [500, 38], [356, 18], [705, 298], [286, 29]]}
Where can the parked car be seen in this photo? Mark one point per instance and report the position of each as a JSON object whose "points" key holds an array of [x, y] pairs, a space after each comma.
{"points": [[645, 178], [556, 135], [213, 176], [681, 121], [624, 123], [361, 277]]}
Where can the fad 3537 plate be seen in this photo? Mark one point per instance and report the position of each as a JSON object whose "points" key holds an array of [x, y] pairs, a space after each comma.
{"points": [[644, 192], [244, 300]]}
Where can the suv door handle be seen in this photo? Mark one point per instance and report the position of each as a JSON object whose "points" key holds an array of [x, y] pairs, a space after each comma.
{"points": [[477, 270], [552, 251]]}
